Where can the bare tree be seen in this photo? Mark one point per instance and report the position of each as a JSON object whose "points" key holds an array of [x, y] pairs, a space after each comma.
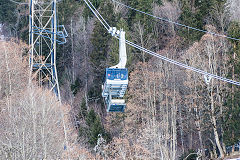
{"points": [[210, 55], [170, 11], [234, 9], [13, 70], [34, 125], [34, 129]]}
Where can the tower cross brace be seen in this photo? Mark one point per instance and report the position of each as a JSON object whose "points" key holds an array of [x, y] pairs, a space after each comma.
{"points": [[44, 34]]}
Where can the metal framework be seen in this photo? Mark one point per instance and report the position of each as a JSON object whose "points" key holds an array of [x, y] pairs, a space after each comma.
{"points": [[44, 34]]}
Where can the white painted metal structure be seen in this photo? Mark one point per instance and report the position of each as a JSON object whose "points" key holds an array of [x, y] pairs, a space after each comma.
{"points": [[116, 77], [42, 40], [122, 47]]}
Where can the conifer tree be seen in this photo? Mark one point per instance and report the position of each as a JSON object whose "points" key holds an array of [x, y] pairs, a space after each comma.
{"points": [[7, 14], [95, 128], [231, 121]]}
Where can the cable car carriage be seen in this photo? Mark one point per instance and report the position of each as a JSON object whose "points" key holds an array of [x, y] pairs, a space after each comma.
{"points": [[116, 78]]}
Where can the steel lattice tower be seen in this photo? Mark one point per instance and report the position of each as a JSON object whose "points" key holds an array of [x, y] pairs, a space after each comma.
{"points": [[44, 34]]}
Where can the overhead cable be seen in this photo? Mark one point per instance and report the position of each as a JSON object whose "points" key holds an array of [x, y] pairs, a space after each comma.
{"points": [[20, 3], [168, 59], [176, 23], [96, 14], [182, 64], [99, 14]]}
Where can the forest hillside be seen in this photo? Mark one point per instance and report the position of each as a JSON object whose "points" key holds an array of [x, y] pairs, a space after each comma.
{"points": [[171, 113]]}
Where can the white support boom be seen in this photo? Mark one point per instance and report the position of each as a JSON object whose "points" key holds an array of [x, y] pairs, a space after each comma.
{"points": [[122, 47]]}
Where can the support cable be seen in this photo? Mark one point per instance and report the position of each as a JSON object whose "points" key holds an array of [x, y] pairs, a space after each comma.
{"points": [[99, 14], [182, 64], [171, 60], [20, 3], [96, 14], [176, 23]]}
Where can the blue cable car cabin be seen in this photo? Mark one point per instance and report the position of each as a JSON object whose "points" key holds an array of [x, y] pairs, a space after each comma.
{"points": [[116, 78], [114, 88]]}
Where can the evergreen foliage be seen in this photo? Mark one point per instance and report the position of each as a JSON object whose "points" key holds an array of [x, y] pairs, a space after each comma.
{"points": [[231, 121], [135, 18], [66, 9], [76, 86], [195, 13], [100, 41], [192, 15], [234, 31], [143, 5], [15, 19], [83, 109], [7, 9], [220, 14], [87, 12], [94, 128], [23, 32]]}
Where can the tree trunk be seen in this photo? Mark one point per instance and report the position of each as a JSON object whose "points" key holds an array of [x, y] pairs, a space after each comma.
{"points": [[9, 80], [214, 123], [73, 54]]}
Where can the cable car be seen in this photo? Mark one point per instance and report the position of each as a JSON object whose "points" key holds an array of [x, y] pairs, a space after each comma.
{"points": [[116, 78]]}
